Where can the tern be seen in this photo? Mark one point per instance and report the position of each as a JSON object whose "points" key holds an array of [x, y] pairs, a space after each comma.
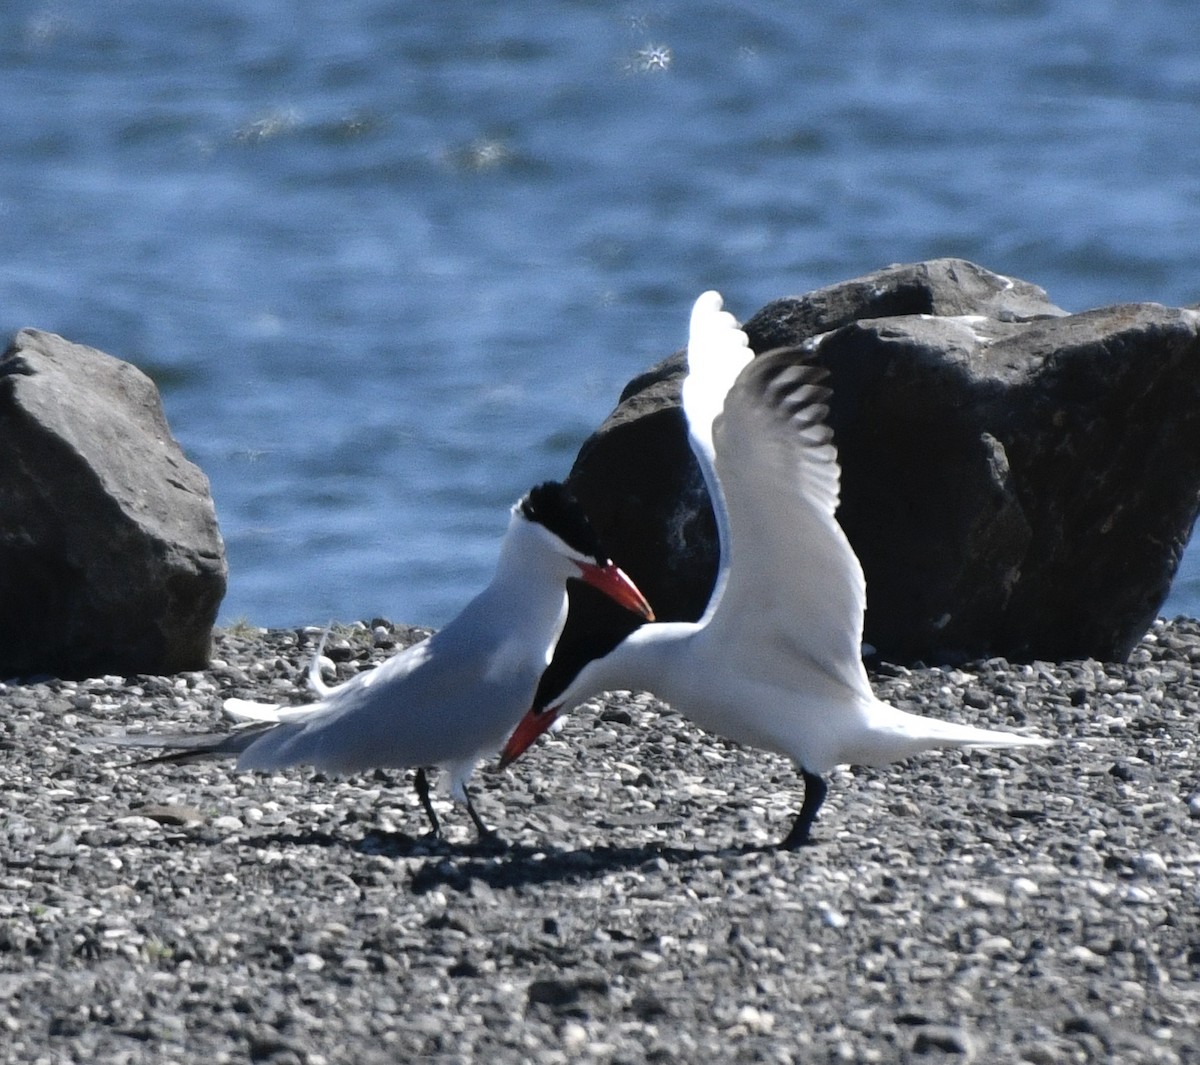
{"points": [[451, 699], [775, 661]]}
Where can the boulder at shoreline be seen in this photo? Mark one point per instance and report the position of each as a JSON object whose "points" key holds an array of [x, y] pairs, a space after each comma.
{"points": [[110, 556], [1016, 480]]}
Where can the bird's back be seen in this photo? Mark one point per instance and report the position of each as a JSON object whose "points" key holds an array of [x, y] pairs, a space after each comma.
{"points": [[452, 698]]}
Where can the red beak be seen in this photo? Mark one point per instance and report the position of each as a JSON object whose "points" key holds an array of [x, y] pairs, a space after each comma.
{"points": [[532, 725], [613, 582]]}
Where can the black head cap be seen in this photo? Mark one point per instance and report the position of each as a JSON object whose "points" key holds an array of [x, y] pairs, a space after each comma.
{"points": [[552, 505]]}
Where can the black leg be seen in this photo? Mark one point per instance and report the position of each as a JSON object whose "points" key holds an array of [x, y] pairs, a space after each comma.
{"points": [[485, 833], [814, 795], [422, 786]]}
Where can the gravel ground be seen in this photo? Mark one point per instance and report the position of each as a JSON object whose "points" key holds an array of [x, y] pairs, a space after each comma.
{"points": [[1034, 906]]}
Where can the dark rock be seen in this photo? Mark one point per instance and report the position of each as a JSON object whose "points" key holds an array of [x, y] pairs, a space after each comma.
{"points": [[170, 814], [942, 288], [943, 1039], [571, 997], [649, 1007], [1017, 481], [617, 716], [1125, 772], [110, 556]]}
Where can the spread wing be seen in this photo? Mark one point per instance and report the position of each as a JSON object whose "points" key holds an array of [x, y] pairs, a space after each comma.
{"points": [[789, 575], [717, 352]]}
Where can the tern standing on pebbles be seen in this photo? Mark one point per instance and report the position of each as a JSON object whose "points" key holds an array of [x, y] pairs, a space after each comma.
{"points": [[775, 662], [451, 699]]}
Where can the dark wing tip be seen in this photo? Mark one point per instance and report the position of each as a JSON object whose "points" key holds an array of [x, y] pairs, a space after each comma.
{"points": [[792, 386]]}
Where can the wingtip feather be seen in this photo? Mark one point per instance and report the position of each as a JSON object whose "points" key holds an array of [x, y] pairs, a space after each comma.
{"points": [[717, 350], [244, 710], [710, 324]]}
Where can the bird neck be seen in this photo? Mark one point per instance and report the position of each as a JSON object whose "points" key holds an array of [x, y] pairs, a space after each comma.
{"points": [[530, 579], [648, 659]]}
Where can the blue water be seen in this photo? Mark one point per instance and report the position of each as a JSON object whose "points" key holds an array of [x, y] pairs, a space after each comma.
{"points": [[391, 262]]}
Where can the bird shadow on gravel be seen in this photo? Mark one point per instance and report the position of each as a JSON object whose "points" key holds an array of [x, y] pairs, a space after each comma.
{"points": [[500, 864], [521, 865]]}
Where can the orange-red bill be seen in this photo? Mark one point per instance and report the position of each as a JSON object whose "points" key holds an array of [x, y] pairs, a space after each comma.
{"points": [[612, 581], [532, 725]]}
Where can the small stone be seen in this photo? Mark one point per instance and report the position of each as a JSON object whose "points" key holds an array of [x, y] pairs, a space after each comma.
{"points": [[63, 843], [616, 716], [1125, 772], [941, 1038], [985, 896], [1087, 958], [1150, 864], [559, 994], [134, 822], [994, 946], [832, 917], [1041, 1054], [756, 1021], [977, 699], [574, 1037], [169, 814]]}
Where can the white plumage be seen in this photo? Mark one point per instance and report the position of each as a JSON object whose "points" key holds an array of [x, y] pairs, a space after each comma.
{"points": [[775, 661], [451, 699]]}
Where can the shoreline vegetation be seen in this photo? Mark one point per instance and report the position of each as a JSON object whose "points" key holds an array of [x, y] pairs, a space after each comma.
{"points": [[1036, 906]]}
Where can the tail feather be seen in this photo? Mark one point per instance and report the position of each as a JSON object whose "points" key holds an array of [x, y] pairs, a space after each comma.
{"points": [[887, 734], [181, 748], [933, 732], [951, 734], [315, 679]]}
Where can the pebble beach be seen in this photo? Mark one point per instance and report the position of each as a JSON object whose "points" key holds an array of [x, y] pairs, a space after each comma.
{"points": [[1026, 906]]}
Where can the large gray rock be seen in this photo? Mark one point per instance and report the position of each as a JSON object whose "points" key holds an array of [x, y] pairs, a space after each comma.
{"points": [[1016, 481], [110, 556]]}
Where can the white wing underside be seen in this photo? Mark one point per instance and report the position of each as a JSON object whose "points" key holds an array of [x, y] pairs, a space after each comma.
{"points": [[717, 352], [788, 577]]}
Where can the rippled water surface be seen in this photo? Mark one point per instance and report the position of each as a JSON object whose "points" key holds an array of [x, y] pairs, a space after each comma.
{"points": [[390, 263]]}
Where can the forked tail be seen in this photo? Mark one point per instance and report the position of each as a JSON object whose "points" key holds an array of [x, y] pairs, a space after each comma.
{"points": [[891, 734], [950, 734], [931, 732], [181, 748]]}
